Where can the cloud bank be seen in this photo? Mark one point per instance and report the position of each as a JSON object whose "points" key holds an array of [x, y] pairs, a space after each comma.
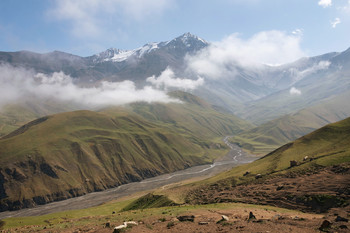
{"points": [[267, 47], [18, 84], [167, 79]]}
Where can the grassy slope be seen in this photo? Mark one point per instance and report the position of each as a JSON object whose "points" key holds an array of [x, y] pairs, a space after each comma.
{"points": [[327, 146], [271, 135], [15, 115], [195, 117], [73, 153]]}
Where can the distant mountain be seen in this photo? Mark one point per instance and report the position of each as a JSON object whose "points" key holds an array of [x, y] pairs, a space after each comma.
{"points": [[315, 80], [112, 64], [275, 133], [257, 94]]}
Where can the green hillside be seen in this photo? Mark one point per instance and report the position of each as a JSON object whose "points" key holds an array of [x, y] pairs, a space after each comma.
{"points": [[193, 116], [15, 115], [73, 153], [273, 134], [311, 174], [326, 146]]}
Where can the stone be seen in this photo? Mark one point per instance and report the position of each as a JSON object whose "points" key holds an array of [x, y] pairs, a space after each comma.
{"points": [[305, 158], [251, 216], [131, 223], [279, 187], [293, 163], [183, 218], [246, 173], [203, 223], [325, 225], [341, 219], [258, 176], [119, 228], [108, 224], [224, 218]]}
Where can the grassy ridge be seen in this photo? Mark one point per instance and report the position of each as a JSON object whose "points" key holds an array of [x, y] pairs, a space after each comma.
{"points": [[78, 152], [15, 115], [326, 146], [73, 153]]}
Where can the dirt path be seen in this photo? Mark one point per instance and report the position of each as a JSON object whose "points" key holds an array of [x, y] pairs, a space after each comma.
{"points": [[234, 158]]}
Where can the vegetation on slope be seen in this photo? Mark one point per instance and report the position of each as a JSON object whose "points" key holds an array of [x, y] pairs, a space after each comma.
{"points": [[70, 154], [273, 134], [322, 153], [73, 153], [193, 116], [149, 201]]}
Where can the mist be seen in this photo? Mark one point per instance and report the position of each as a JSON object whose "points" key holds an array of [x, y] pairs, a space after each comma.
{"points": [[167, 79], [19, 84]]}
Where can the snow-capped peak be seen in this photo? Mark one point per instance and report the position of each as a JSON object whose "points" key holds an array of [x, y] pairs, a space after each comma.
{"points": [[186, 40]]}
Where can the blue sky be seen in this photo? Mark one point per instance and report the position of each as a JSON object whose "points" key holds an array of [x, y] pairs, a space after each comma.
{"points": [[85, 27]]}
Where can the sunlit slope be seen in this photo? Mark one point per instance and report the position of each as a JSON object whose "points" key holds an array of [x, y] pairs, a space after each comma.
{"points": [[326, 146], [193, 116], [15, 115], [273, 134], [73, 153]]}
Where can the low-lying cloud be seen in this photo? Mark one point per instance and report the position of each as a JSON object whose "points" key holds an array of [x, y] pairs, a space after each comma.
{"points": [[167, 79], [300, 74], [294, 91], [18, 84], [267, 47]]}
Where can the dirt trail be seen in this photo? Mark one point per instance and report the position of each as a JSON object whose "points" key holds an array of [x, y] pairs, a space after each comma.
{"points": [[234, 158]]}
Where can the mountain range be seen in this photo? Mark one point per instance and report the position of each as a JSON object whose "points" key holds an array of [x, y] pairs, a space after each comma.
{"points": [[46, 142]]}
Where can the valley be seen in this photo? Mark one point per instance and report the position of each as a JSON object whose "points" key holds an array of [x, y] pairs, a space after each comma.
{"points": [[234, 157], [142, 135]]}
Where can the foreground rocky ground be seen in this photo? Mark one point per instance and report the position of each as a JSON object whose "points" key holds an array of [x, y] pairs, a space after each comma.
{"points": [[315, 190], [237, 220]]}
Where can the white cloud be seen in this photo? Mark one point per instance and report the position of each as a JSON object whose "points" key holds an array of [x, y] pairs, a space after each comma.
{"points": [[18, 84], [335, 22], [267, 47], [294, 91], [325, 3], [298, 75], [298, 32], [90, 18], [168, 79]]}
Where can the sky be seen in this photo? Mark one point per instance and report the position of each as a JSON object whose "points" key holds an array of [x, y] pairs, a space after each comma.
{"points": [[86, 27]]}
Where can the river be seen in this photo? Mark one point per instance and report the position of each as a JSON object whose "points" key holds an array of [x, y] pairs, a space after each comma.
{"points": [[233, 158]]}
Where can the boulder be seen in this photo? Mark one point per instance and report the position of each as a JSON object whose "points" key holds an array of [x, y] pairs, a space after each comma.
{"points": [[246, 173], [184, 218], [325, 225], [120, 228], [251, 216], [341, 219], [293, 163], [203, 223]]}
